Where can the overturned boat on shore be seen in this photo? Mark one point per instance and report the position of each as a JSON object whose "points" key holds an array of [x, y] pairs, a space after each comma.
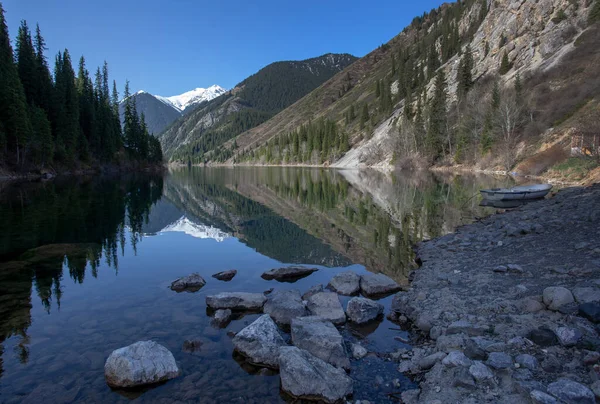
{"points": [[520, 193]]}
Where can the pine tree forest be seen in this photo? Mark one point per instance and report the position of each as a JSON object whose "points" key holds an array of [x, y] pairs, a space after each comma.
{"points": [[62, 117]]}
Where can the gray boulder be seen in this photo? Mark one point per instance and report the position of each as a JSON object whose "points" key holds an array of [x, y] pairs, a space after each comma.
{"points": [[345, 283], [221, 317], [499, 360], [327, 305], [358, 351], [236, 301], [557, 296], [456, 359], [539, 397], [320, 338], [586, 295], [362, 310], [571, 392], [288, 274], [567, 336], [145, 362], [305, 376], [480, 372], [428, 362], [284, 305], [527, 361], [260, 342], [225, 275], [378, 284], [190, 283], [312, 291]]}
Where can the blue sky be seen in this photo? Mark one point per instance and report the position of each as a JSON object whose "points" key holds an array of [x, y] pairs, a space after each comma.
{"points": [[168, 47]]}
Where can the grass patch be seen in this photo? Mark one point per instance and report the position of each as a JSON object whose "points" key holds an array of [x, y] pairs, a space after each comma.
{"points": [[576, 168]]}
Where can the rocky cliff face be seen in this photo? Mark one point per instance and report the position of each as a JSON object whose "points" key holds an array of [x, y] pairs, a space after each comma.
{"points": [[536, 36]]}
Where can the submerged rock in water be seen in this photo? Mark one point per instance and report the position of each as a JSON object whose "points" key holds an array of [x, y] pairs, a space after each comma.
{"points": [[236, 301], [189, 283], [284, 305], [192, 346], [305, 376], [345, 283], [378, 284], [320, 337], [327, 305], [225, 275], [362, 310], [222, 317], [260, 342], [145, 362], [288, 274]]}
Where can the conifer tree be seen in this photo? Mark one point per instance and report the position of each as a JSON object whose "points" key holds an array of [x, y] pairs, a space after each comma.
{"points": [[377, 89], [504, 65], [594, 15], [437, 117], [14, 119], [364, 116], [26, 64], [518, 85], [465, 73], [44, 80]]}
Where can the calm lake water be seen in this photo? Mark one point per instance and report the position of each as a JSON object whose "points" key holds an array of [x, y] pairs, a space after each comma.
{"points": [[85, 266]]}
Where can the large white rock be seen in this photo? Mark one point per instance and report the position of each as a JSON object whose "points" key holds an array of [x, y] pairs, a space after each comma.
{"points": [[320, 337], [145, 362], [236, 301], [305, 376], [260, 342], [327, 305]]}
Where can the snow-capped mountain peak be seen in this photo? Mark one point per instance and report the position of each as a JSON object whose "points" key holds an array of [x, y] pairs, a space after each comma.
{"points": [[196, 96], [197, 230]]}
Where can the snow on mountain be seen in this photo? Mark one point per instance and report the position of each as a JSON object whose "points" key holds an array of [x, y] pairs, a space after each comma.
{"points": [[185, 225], [182, 101]]}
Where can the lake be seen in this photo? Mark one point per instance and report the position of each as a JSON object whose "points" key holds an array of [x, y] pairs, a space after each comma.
{"points": [[86, 265]]}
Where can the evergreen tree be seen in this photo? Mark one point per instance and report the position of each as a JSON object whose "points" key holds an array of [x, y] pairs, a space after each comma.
{"points": [[14, 120], [464, 75], [518, 86], [505, 64], [496, 95], [43, 95], [26, 63], [377, 89], [437, 117], [364, 116]]}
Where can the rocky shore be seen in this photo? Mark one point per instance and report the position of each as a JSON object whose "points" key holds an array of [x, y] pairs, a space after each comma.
{"points": [[507, 309]]}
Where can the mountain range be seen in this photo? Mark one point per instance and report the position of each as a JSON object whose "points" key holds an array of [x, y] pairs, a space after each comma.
{"points": [[160, 112]]}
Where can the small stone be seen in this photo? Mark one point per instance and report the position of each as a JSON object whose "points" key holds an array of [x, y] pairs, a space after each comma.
{"points": [[285, 305], [581, 246], [377, 285], [543, 337], [345, 283], [436, 332], [464, 379], [456, 359], [529, 305], [591, 311], [568, 336], [222, 317], [326, 305], [596, 388], [527, 361], [480, 372], [586, 295], [225, 276], [463, 326], [236, 301], [410, 396], [190, 283], [571, 392], [501, 269], [358, 351], [551, 364], [288, 274], [539, 397], [499, 360], [449, 343], [591, 358], [424, 322], [427, 362], [555, 297], [361, 310], [515, 268], [474, 351]]}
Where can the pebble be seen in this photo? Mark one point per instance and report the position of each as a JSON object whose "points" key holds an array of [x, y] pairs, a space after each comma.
{"points": [[480, 372], [456, 358], [557, 296], [539, 397], [568, 336], [527, 361], [499, 360], [571, 392], [543, 337]]}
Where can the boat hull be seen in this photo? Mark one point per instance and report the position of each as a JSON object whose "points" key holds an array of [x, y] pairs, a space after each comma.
{"points": [[517, 193]]}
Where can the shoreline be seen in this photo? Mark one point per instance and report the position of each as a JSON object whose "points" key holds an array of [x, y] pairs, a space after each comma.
{"points": [[507, 309]]}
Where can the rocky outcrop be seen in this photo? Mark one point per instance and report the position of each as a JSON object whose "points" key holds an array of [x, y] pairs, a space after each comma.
{"points": [[320, 338], [305, 376], [284, 305], [142, 363], [189, 283], [260, 342], [327, 305], [345, 283], [236, 301], [361, 310], [288, 274]]}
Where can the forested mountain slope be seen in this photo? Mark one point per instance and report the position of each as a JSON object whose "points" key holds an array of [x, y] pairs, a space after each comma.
{"points": [[250, 103], [477, 82]]}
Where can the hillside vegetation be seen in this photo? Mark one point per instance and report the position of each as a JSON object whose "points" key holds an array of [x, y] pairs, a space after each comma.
{"points": [[476, 83], [250, 103]]}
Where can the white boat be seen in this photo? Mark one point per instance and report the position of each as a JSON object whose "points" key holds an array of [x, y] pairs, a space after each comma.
{"points": [[536, 191]]}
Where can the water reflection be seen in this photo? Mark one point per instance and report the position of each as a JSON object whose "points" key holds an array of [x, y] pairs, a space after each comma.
{"points": [[63, 243]]}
